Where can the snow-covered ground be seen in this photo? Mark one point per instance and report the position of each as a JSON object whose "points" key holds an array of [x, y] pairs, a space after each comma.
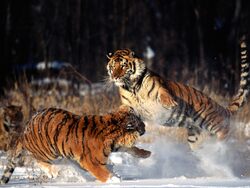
{"points": [[171, 164]]}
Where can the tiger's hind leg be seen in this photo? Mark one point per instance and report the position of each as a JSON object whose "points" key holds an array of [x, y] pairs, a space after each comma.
{"points": [[195, 137], [222, 133]]}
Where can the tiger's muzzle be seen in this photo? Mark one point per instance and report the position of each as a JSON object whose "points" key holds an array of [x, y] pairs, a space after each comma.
{"points": [[141, 129]]}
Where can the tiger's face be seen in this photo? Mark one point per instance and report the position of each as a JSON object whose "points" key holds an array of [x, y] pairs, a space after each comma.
{"points": [[13, 116], [10, 126], [131, 128], [123, 68]]}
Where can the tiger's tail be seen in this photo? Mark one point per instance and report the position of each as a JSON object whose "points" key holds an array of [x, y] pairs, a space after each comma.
{"points": [[8, 172], [239, 98], [14, 159]]}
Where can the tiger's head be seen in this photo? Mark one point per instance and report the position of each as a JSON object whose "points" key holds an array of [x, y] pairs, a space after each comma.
{"points": [[124, 68], [131, 127], [13, 116]]}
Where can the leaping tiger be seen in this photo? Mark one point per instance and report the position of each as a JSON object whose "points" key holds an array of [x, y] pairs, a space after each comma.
{"points": [[171, 103]]}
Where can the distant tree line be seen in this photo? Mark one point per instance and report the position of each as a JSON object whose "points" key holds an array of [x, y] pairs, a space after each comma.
{"points": [[189, 38]]}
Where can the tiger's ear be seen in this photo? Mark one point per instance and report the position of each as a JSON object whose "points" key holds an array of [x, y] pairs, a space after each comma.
{"points": [[131, 54], [109, 55]]}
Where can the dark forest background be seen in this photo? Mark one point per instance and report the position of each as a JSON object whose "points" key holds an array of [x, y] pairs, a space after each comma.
{"points": [[194, 41]]}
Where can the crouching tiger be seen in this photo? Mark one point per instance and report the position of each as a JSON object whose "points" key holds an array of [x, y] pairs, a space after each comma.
{"points": [[87, 140], [170, 103]]}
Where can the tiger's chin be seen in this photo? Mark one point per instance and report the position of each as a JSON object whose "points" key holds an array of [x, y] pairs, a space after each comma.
{"points": [[119, 83]]}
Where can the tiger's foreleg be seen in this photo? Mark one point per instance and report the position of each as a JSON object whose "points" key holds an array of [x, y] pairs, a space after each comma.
{"points": [[135, 152], [99, 170], [50, 169]]}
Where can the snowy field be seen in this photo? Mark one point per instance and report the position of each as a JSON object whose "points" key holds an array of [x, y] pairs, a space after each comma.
{"points": [[171, 164]]}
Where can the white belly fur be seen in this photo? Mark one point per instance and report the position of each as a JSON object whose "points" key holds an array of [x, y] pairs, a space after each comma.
{"points": [[151, 111]]}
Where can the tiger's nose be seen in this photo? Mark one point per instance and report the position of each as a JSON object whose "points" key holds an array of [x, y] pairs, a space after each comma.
{"points": [[141, 128], [115, 78]]}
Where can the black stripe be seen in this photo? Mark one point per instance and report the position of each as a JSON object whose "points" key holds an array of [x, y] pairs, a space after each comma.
{"points": [[76, 127], [63, 149], [194, 96], [112, 131], [104, 152], [140, 80], [101, 120], [93, 124], [86, 122], [126, 98], [183, 120], [99, 162], [89, 153], [11, 170], [114, 121], [198, 113], [58, 129], [180, 91], [85, 126], [180, 111], [71, 153], [210, 117], [6, 127], [108, 123], [71, 127], [171, 115], [133, 66], [152, 87]]}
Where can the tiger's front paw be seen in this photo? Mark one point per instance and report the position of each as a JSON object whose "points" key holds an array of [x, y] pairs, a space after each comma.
{"points": [[114, 179], [143, 153], [139, 153]]}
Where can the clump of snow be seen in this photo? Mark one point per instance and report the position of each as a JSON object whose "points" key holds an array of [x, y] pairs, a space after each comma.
{"points": [[149, 54], [52, 65], [247, 130], [171, 159]]}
